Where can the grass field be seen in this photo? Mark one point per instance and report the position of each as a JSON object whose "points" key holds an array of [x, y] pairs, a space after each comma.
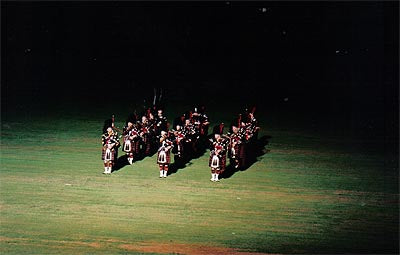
{"points": [[308, 193]]}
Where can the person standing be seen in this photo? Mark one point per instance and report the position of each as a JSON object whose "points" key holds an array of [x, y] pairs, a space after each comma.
{"points": [[178, 140], [236, 147], [164, 154], [218, 149], [161, 122], [131, 140], [110, 142], [146, 136]]}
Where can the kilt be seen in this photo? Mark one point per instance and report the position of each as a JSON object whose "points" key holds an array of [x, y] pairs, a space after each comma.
{"points": [[147, 147], [243, 154], [222, 161], [240, 155], [178, 149], [242, 151], [134, 148], [129, 146], [113, 154], [167, 157]]}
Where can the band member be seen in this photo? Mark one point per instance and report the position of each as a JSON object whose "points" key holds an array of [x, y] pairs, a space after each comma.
{"points": [[190, 139], [161, 122], [219, 145], [110, 144], [196, 118], [200, 120], [204, 122], [251, 137], [164, 154], [131, 141], [178, 139], [201, 124], [188, 128], [146, 136], [236, 149], [252, 127]]}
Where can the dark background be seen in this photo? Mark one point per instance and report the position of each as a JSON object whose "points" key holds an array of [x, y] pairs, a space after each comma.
{"points": [[322, 60]]}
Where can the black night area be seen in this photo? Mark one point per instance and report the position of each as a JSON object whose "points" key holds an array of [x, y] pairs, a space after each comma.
{"points": [[327, 62]]}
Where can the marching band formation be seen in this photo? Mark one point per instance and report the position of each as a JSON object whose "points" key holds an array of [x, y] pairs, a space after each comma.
{"points": [[188, 138]]}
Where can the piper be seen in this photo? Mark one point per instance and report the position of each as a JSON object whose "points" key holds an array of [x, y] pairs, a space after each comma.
{"points": [[110, 144], [131, 141], [164, 154], [218, 150]]}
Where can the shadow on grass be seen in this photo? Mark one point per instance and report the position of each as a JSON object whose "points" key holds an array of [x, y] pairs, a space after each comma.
{"points": [[122, 161], [181, 163], [255, 150]]}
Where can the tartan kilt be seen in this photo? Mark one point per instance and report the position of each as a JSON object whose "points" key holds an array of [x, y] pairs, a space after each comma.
{"points": [[222, 161], [168, 157], [136, 146], [147, 150], [132, 146], [243, 154], [240, 150], [113, 154], [210, 160]]}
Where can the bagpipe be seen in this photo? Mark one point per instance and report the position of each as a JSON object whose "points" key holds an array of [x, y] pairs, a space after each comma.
{"points": [[145, 132], [113, 124], [200, 122], [242, 135], [159, 122], [178, 137], [170, 134], [251, 129], [189, 130], [165, 144], [225, 142], [129, 138], [221, 145], [110, 140]]}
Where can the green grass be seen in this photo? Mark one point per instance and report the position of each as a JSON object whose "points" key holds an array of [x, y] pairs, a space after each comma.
{"points": [[309, 193]]}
